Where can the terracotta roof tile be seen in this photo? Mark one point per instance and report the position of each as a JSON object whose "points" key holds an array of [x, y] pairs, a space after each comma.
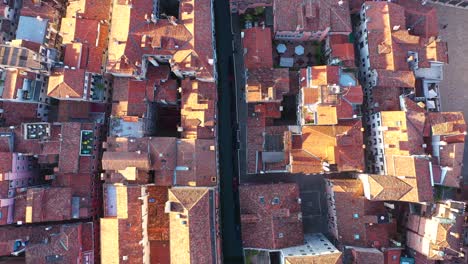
{"points": [[267, 84], [313, 16], [15, 113], [196, 163], [447, 123], [192, 236], [198, 109], [69, 158], [66, 83], [123, 235], [158, 220], [89, 9], [258, 43], [365, 255], [389, 47], [349, 201], [270, 216], [43, 204], [190, 51], [340, 145]]}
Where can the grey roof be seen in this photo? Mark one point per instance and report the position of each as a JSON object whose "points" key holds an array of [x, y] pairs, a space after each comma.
{"points": [[32, 29]]}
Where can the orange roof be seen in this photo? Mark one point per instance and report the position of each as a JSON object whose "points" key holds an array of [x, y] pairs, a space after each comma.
{"points": [[198, 109], [131, 37], [344, 52], [389, 40], [339, 145], [311, 16], [267, 84], [66, 83], [196, 163], [258, 43], [191, 224]]}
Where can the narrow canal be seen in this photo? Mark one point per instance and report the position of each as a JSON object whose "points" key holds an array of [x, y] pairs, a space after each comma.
{"points": [[230, 218]]}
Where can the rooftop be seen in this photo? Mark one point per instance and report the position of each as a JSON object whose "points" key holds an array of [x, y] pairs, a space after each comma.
{"points": [[66, 242], [267, 84], [67, 83], [312, 15], [43, 204], [353, 223], [271, 216], [122, 228], [389, 38], [258, 44], [325, 146], [316, 249], [32, 29], [192, 224], [196, 163], [198, 109], [176, 39]]}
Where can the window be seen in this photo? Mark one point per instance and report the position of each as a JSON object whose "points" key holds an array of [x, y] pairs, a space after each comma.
{"points": [[275, 200], [355, 215], [356, 237], [1, 215], [262, 199], [280, 235]]}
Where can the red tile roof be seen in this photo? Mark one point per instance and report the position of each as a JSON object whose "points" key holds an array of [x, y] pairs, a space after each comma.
{"points": [[344, 52], [46, 204], [313, 16], [69, 158], [69, 245], [158, 220], [451, 159], [348, 201], [86, 40], [422, 19], [160, 252], [6, 162], [189, 50], [73, 109], [192, 225], [127, 231], [66, 83], [365, 255], [14, 81], [163, 155], [441, 237], [258, 43], [340, 145], [267, 84], [196, 163], [35, 8], [15, 113], [389, 78], [447, 123], [389, 47], [198, 109], [89, 9], [270, 216]]}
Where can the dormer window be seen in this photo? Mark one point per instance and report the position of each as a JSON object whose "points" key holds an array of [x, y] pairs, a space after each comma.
{"points": [[275, 200], [262, 199]]}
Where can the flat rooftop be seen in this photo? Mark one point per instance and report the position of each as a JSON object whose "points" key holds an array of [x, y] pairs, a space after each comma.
{"points": [[32, 29]]}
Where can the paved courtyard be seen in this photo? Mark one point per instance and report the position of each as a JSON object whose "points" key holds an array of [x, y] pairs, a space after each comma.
{"points": [[454, 87]]}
